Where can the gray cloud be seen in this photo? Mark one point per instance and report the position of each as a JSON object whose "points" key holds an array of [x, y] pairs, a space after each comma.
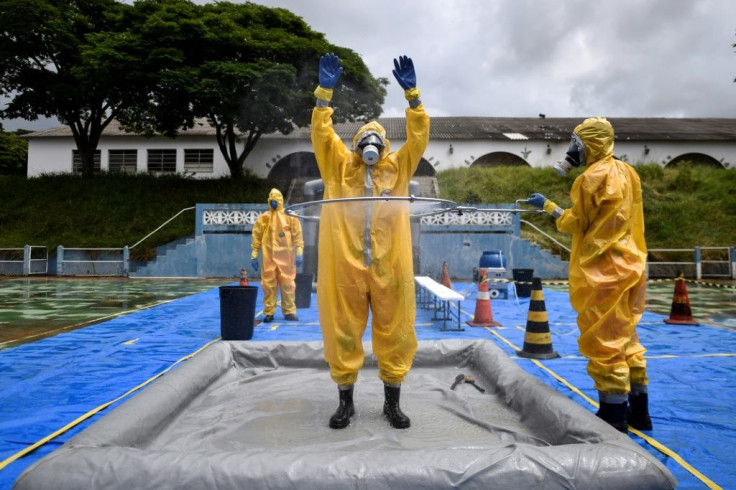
{"points": [[636, 58]]}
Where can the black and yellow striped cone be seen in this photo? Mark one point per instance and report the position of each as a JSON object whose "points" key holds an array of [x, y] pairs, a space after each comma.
{"points": [[537, 339]]}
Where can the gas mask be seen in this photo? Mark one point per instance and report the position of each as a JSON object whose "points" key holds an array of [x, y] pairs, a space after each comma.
{"points": [[370, 147], [273, 203], [574, 156]]}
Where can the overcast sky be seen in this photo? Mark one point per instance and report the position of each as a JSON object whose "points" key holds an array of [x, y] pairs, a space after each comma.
{"points": [[562, 58]]}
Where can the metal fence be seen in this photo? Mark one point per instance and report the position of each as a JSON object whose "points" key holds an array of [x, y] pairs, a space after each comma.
{"points": [[697, 262], [24, 261], [92, 261]]}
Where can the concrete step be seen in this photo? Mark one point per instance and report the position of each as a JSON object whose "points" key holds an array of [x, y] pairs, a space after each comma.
{"points": [[173, 259]]}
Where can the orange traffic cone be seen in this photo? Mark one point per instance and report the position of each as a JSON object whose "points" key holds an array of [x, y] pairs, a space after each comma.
{"points": [[446, 276], [483, 316], [537, 339], [680, 313]]}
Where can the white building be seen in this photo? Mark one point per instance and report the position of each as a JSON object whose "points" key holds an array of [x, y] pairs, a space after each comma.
{"points": [[454, 142]]}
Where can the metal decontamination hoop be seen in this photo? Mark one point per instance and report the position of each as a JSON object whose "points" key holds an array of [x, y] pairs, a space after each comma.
{"points": [[441, 206]]}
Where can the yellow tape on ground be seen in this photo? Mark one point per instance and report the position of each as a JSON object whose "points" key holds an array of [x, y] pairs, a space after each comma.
{"points": [[92, 412], [652, 442], [665, 450], [671, 356]]}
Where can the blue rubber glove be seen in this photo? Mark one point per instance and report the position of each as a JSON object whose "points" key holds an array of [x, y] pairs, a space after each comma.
{"points": [[329, 70], [254, 264], [404, 72], [536, 200], [299, 260]]}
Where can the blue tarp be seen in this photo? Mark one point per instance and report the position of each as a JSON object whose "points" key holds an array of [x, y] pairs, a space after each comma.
{"points": [[49, 383]]}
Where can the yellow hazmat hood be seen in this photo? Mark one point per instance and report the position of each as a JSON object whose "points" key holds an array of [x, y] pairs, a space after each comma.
{"points": [[372, 126], [275, 195], [597, 136]]}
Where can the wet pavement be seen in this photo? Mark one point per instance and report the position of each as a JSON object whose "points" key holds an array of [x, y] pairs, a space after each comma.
{"points": [[36, 307], [73, 376], [710, 303]]}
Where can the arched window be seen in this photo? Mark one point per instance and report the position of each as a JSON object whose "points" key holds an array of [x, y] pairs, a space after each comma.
{"points": [[294, 165], [695, 159], [498, 159], [425, 169]]}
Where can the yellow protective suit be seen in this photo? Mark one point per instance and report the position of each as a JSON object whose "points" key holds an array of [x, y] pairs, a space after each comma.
{"points": [[278, 235], [607, 261], [348, 289]]}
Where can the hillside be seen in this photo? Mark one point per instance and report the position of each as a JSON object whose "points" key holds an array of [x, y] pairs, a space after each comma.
{"points": [[684, 207]]}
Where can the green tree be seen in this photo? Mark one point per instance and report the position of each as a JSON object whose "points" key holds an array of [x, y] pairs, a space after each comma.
{"points": [[247, 69], [49, 66], [158, 66], [13, 153]]}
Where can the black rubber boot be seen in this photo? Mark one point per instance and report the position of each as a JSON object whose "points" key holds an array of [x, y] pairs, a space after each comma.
{"points": [[341, 418], [268, 319], [391, 408], [291, 317], [614, 414], [638, 413]]}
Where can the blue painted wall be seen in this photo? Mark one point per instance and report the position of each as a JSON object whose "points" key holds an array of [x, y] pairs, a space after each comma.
{"points": [[463, 250], [221, 247]]}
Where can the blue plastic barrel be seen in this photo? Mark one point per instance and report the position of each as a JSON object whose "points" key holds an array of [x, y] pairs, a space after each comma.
{"points": [[493, 259]]}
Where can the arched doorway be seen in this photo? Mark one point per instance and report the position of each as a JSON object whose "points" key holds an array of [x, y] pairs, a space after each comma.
{"points": [[698, 159], [425, 169], [301, 164], [498, 159]]}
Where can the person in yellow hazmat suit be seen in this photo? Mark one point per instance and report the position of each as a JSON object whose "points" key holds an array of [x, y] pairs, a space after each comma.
{"points": [[365, 257], [280, 237], [607, 271]]}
